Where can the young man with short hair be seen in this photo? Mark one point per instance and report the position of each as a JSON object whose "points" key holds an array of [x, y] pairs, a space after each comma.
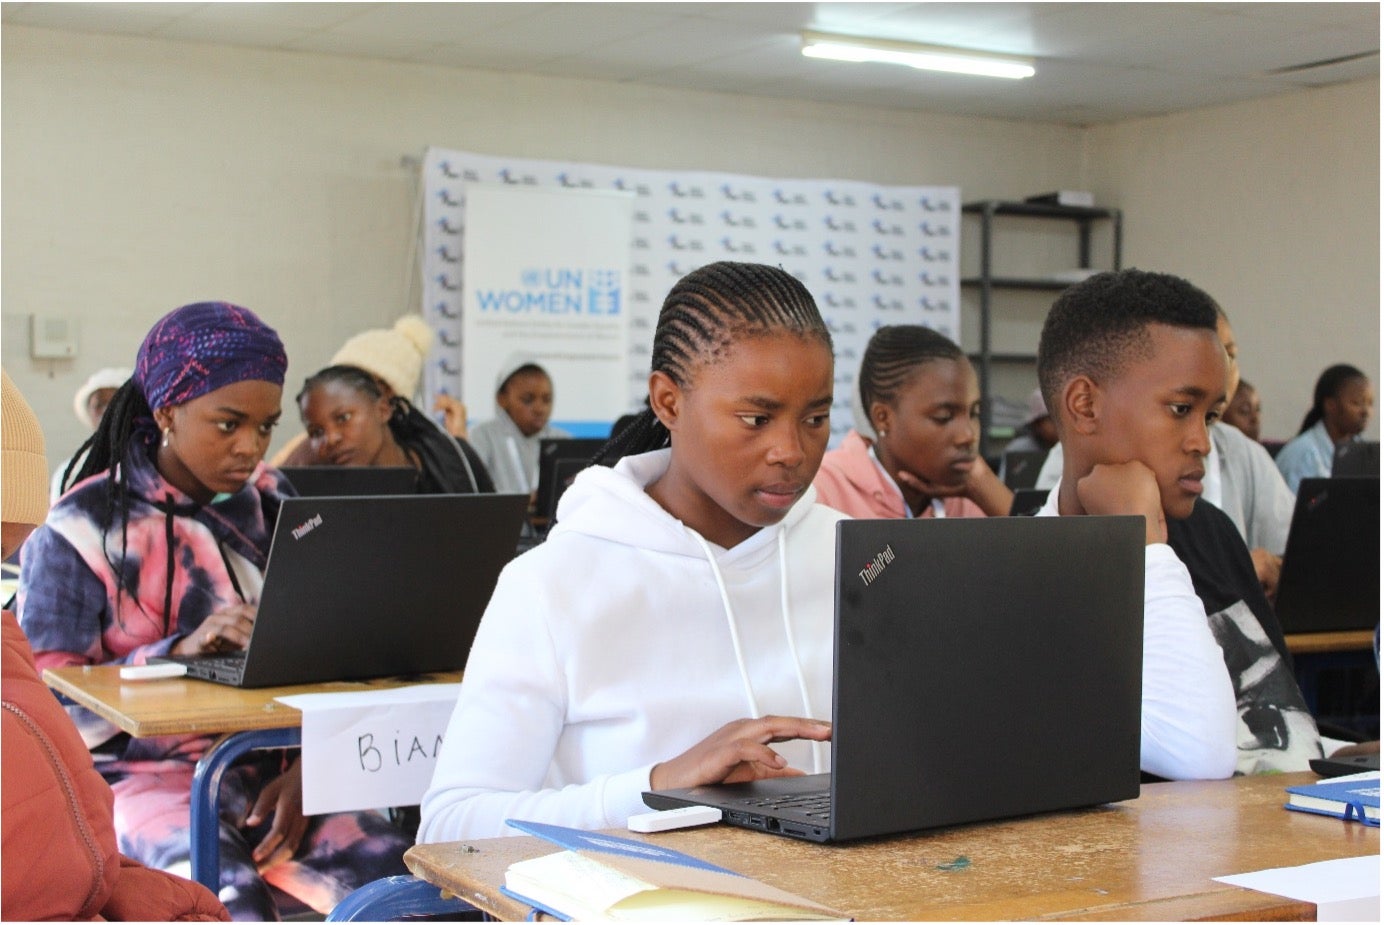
{"points": [[1134, 374]]}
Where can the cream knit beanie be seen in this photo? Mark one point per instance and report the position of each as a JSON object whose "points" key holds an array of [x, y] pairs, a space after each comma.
{"points": [[23, 468], [394, 355], [112, 377]]}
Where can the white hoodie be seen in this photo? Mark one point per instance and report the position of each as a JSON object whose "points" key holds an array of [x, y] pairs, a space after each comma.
{"points": [[612, 647]]}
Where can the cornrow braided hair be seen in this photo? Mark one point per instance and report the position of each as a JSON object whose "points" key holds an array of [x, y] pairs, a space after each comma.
{"points": [[891, 357], [705, 313], [353, 376]]}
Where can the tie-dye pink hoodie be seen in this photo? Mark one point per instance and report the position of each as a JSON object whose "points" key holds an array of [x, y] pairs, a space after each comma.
{"points": [[126, 592]]}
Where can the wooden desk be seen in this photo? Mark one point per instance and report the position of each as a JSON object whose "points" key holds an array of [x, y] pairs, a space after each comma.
{"points": [[1339, 641], [244, 718], [179, 706], [1147, 859]]}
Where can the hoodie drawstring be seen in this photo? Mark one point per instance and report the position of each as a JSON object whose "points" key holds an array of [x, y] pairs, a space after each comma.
{"points": [[730, 621], [787, 626], [168, 579]]}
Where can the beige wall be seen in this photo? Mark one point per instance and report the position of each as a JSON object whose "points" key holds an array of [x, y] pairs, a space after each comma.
{"points": [[139, 175], [1272, 206]]}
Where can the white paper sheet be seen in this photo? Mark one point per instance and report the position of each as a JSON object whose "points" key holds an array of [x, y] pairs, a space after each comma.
{"points": [[371, 749], [1345, 890]]}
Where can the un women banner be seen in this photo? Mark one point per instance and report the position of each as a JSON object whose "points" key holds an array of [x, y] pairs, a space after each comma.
{"points": [[546, 279], [870, 255]]}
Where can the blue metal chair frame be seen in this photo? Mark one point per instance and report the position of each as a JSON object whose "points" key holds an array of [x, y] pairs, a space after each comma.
{"points": [[393, 898], [206, 795]]}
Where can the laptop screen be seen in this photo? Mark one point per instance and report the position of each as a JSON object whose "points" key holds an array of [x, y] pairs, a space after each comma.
{"points": [[375, 586]]}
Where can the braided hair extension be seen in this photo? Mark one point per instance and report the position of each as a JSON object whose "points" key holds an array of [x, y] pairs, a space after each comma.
{"points": [[121, 428], [892, 355], [1329, 385], [705, 313], [105, 448]]}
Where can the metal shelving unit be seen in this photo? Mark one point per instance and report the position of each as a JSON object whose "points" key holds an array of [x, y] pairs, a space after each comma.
{"points": [[987, 284]]}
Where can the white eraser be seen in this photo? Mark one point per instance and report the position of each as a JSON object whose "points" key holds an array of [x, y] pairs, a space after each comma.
{"points": [[681, 818], [152, 672]]}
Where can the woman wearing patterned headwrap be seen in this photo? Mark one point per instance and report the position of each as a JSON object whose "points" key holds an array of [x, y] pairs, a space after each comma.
{"points": [[158, 547]]}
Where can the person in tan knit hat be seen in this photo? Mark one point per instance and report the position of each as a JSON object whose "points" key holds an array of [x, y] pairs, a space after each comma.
{"points": [[394, 356], [61, 858], [24, 476]]}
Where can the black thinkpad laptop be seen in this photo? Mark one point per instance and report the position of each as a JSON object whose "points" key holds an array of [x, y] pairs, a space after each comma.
{"points": [[1330, 576], [337, 481], [369, 587], [984, 669]]}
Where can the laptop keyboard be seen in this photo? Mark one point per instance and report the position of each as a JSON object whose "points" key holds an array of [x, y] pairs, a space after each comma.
{"points": [[230, 663], [229, 667], [813, 805]]}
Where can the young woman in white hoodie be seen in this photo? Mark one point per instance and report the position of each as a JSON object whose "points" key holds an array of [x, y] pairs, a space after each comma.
{"points": [[675, 629]]}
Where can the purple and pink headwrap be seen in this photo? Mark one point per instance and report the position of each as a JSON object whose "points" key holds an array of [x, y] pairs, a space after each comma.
{"points": [[199, 348]]}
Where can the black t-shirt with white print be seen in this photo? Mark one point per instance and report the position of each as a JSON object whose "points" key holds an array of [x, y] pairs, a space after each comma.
{"points": [[1276, 731]]}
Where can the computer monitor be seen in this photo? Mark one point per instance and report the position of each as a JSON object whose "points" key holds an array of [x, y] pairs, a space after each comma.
{"points": [[1358, 459], [559, 461]]}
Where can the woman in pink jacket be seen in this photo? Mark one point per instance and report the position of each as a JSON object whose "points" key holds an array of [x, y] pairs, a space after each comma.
{"points": [[922, 402]]}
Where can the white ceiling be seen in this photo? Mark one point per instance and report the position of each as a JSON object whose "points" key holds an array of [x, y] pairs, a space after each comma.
{"points": [[1096, 62]]}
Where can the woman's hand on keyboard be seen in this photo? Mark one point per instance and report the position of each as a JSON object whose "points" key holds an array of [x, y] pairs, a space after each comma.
{"points": [[226, 630], [738, 751]]}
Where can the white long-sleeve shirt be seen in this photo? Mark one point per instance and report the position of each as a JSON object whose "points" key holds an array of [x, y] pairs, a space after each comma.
{"points": [[1188, 719], [609, 649]]}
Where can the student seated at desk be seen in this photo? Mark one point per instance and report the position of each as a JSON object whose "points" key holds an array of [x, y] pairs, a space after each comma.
{"points": [[1240, 479], [394, 357], [922, 404], [676, 627], [159, 548], [509, 443], [350, 421], [1134, 374], [60, 857], [1341, 406]]}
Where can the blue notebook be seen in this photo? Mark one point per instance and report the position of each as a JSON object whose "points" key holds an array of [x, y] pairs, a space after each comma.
{"points": [[606, 876], [1348, 798]]}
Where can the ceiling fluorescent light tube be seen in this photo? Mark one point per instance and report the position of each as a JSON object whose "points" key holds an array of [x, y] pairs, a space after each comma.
{"points": [[925, 57]]}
